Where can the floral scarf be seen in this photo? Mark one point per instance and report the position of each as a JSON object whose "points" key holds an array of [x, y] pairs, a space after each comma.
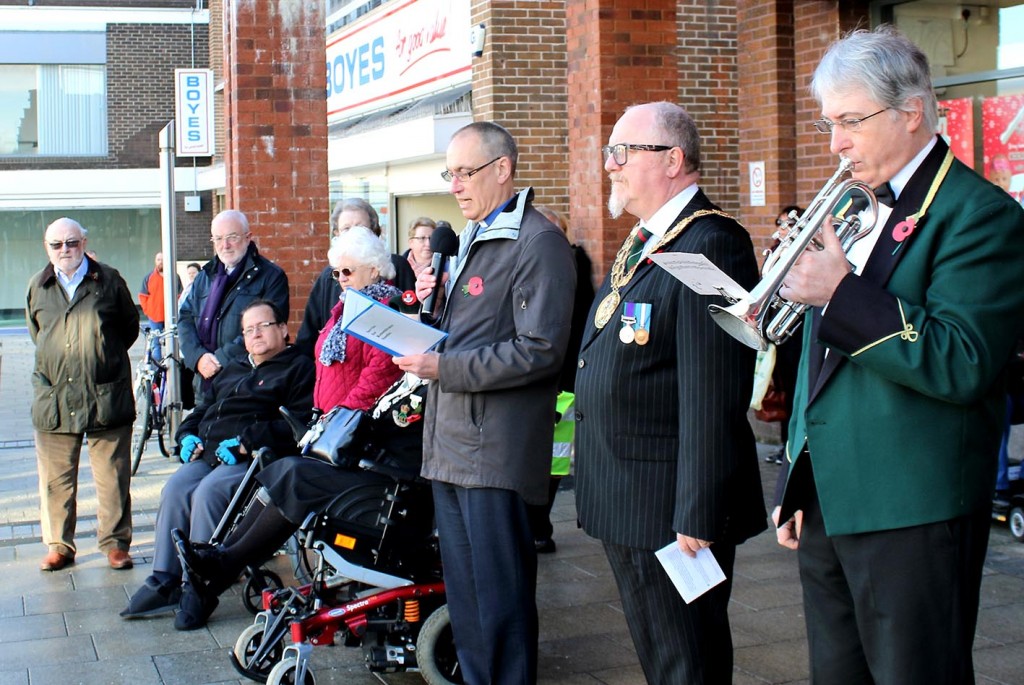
{"points": [[333, 349]]}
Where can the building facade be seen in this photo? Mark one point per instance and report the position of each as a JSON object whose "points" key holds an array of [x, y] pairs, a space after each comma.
{"points": [[360, 97]]}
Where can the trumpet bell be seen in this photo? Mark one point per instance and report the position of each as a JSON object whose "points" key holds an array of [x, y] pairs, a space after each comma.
{"points": [[740, 320]]}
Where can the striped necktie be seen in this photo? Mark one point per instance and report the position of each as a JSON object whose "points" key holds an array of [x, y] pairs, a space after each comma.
{"points": [[636, 249]]}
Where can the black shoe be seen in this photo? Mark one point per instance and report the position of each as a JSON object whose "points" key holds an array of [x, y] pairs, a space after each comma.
{"points": [[195, 608], [545, 546], [152, 599], [199, 561]]}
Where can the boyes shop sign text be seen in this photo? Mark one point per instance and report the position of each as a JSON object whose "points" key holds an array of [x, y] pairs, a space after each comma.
{"points": [[401, 52]]}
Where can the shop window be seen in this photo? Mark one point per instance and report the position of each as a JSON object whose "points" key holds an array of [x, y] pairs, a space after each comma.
{"points": [[53, 109]]}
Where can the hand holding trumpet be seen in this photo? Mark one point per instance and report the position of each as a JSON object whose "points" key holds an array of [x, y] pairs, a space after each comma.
{"points": [[817, 272]]}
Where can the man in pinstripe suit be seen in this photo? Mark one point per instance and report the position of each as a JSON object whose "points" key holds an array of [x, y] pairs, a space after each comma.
{"points": [[664, 449]]}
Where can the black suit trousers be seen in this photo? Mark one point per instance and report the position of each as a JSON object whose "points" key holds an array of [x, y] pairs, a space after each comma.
{"points": [[678, 643], [894, 607]]}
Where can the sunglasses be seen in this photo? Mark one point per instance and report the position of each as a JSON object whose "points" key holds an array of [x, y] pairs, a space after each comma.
{"points": [[346, 272], [70, 244]]}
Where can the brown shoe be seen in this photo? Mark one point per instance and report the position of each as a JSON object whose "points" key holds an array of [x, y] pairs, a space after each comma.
{"points": [[119, 559], [55, 561]]}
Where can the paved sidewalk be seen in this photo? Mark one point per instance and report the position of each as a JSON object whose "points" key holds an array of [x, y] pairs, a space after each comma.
{"points": [[63, 627]]}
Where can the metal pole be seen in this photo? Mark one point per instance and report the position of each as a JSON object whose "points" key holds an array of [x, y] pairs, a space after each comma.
{"points": [[172, 390]]}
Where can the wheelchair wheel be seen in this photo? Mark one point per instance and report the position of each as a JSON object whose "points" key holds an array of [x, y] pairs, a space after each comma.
{"points": [[252, 593], [246, 646], [142, 428], [435, 650], [1017, 523], [284, 674]]}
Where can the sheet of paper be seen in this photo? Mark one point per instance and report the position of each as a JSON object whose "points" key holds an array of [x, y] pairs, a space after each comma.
{"points": [[692, 577], [699, 274], [379, 325]]}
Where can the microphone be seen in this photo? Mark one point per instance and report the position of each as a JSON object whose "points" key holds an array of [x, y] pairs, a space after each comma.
{"points": [[444, 244]]}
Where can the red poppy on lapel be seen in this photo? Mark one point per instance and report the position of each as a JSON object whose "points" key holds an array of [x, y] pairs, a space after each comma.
{"points": [[474, 287]]}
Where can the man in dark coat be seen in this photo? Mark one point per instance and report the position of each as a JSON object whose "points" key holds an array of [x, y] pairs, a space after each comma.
{"points": [[487, 436], [664, 452], [209, 319], [82, 319], [238, 416]]}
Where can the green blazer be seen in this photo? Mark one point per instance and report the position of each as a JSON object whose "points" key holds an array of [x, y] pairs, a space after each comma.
{"points": [[902, 420]]}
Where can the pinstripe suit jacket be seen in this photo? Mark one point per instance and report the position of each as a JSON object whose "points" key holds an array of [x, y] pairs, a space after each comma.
{"points": [[663, 443]]}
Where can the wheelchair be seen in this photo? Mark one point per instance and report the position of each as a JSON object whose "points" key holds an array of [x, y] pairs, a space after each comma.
{"points": [[376, 584]]}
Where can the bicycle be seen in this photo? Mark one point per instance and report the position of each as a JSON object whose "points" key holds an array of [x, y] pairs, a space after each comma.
{"points": [[151, 411]]}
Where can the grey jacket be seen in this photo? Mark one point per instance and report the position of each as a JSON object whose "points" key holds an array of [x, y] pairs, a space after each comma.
{"points": [[82, 378], [491, 414]]}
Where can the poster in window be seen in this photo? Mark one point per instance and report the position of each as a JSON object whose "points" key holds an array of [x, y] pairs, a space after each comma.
{"points": [[956, 126], [1002, 123]]}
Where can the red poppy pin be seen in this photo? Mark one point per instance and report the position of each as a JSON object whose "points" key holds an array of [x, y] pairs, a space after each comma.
{"points": [[408, 297], [474, 287], [902, 231]]}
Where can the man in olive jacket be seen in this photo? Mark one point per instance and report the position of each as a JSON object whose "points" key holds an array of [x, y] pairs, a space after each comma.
{"points": [[82, 320], [487, 433]]}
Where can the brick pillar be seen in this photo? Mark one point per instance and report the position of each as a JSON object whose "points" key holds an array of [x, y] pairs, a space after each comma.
{"points": [[519, 82], [276, 133], [817, 25], [620, 52], [768, 93]]}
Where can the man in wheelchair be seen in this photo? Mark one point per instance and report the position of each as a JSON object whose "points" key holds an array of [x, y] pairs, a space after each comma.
{"points": [[387, 447], [216, 442]]}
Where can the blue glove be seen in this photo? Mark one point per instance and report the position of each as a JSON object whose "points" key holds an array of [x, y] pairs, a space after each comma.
{"points": [[227, 451], [190, 445]]}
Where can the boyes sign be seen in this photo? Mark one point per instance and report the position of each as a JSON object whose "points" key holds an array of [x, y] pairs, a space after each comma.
{"points": [[403, 51], [193, 111]]}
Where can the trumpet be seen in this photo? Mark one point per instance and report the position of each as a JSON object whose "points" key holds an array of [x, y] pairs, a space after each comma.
{"points": [[853, 210]]}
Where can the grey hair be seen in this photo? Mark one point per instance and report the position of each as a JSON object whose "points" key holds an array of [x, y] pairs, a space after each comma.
{"points": [[495, 140], [674, 126], [234, 216], [356, 204], [64, 219], [885, 64], [362, 245]]}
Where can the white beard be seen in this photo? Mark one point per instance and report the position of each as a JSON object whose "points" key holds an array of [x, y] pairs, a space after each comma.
{"points": [[616, 205]]}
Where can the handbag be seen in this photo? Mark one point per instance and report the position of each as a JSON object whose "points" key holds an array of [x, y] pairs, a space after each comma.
{"points": [[773, 406], [332, 434]]}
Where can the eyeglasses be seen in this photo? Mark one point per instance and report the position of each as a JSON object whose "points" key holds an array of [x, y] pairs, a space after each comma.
{"points": [[70, 244], [849, 125], [346, 272], [463, 176], [620, 152], [231, 238], [260, 327], [420, 238]]}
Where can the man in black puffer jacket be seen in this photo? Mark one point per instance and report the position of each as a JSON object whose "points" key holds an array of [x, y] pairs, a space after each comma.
{"points": [[216, 441]]}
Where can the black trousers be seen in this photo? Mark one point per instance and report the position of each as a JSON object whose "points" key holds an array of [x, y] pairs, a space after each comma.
{"points": [[490, 577], [678, 643], [894, 607]]}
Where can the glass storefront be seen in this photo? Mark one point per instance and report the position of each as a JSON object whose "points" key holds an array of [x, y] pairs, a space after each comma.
{"points": [[126, 239], [977, 58]]}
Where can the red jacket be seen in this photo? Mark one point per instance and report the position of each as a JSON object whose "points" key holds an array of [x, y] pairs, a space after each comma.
{"points": [[358, 381], [151, 296]]}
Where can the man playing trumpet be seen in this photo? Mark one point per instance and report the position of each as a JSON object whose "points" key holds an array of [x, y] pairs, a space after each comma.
{"points": [[899, 400]]}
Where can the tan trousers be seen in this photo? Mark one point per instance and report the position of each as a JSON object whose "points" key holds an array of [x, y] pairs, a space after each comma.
{"points": [[57, 457]]}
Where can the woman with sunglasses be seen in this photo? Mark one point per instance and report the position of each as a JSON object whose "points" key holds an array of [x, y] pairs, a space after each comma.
{"points": [[349, 373]]}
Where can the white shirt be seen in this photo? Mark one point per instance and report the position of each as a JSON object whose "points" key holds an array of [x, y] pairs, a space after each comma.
{"points": [[664, 219], [71, 283]]}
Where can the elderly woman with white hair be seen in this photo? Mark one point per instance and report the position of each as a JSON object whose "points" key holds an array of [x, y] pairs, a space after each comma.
{"points": [[349, 373]]}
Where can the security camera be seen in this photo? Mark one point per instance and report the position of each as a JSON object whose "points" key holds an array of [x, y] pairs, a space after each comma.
{"points": [[477, 34]]}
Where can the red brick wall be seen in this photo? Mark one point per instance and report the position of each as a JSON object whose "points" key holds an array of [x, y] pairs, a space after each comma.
{"points": [[519, 82], [276, 133], [620, 53]]}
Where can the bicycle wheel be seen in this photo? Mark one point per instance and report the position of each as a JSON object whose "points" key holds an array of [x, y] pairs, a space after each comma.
{"points": [[142, 428]]}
